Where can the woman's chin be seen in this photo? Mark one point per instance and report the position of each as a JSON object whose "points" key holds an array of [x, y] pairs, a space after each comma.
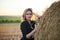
{"points": [[29, 19]]}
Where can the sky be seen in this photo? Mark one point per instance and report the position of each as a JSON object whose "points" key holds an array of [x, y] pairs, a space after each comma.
{"points": [[16, 7]]}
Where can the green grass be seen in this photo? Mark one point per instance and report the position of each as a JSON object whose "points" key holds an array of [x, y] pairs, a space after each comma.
{"points": [[10, 19]]}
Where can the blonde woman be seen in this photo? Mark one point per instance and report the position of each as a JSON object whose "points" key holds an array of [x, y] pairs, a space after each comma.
{"points": [[28, 27]]}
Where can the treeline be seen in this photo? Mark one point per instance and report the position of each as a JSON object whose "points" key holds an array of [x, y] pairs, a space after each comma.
{"points": [[10, 21]]}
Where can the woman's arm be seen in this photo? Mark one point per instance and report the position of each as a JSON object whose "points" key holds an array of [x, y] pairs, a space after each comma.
{"points": [[24, 30], [31, 33]]}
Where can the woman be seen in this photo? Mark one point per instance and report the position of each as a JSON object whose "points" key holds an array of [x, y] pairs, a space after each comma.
{"points": [[28, 27]]}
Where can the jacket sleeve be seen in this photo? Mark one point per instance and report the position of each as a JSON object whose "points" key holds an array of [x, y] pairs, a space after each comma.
{"points": [[24, 29]]}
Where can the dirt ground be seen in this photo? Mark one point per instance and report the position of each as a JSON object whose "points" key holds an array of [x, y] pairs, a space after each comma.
{"points": [[10, 31]]}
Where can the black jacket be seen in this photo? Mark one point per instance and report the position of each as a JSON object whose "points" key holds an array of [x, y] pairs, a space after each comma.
{"points": [[26, 28]]}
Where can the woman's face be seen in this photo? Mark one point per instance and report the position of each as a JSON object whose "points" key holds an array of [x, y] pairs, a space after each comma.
{"points": [[28, 15]]}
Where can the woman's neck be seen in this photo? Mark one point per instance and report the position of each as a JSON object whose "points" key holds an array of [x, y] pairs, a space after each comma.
{"points": [[29, 21]]}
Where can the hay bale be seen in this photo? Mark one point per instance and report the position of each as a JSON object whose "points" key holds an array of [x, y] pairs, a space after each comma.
{"points": [[49, 24]]}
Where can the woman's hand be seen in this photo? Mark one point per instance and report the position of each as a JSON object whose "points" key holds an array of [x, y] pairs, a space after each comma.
{"points": [[35, 27]]}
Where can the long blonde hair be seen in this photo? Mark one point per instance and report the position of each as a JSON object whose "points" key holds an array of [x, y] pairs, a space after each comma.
{"points": [[24, 13]]}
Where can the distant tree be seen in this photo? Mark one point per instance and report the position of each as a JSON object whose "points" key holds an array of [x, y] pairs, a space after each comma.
{"points": [[6, 20], [18, 21]]}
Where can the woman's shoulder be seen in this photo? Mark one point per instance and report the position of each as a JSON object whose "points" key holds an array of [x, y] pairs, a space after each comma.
{"points": [[23, 24]]}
